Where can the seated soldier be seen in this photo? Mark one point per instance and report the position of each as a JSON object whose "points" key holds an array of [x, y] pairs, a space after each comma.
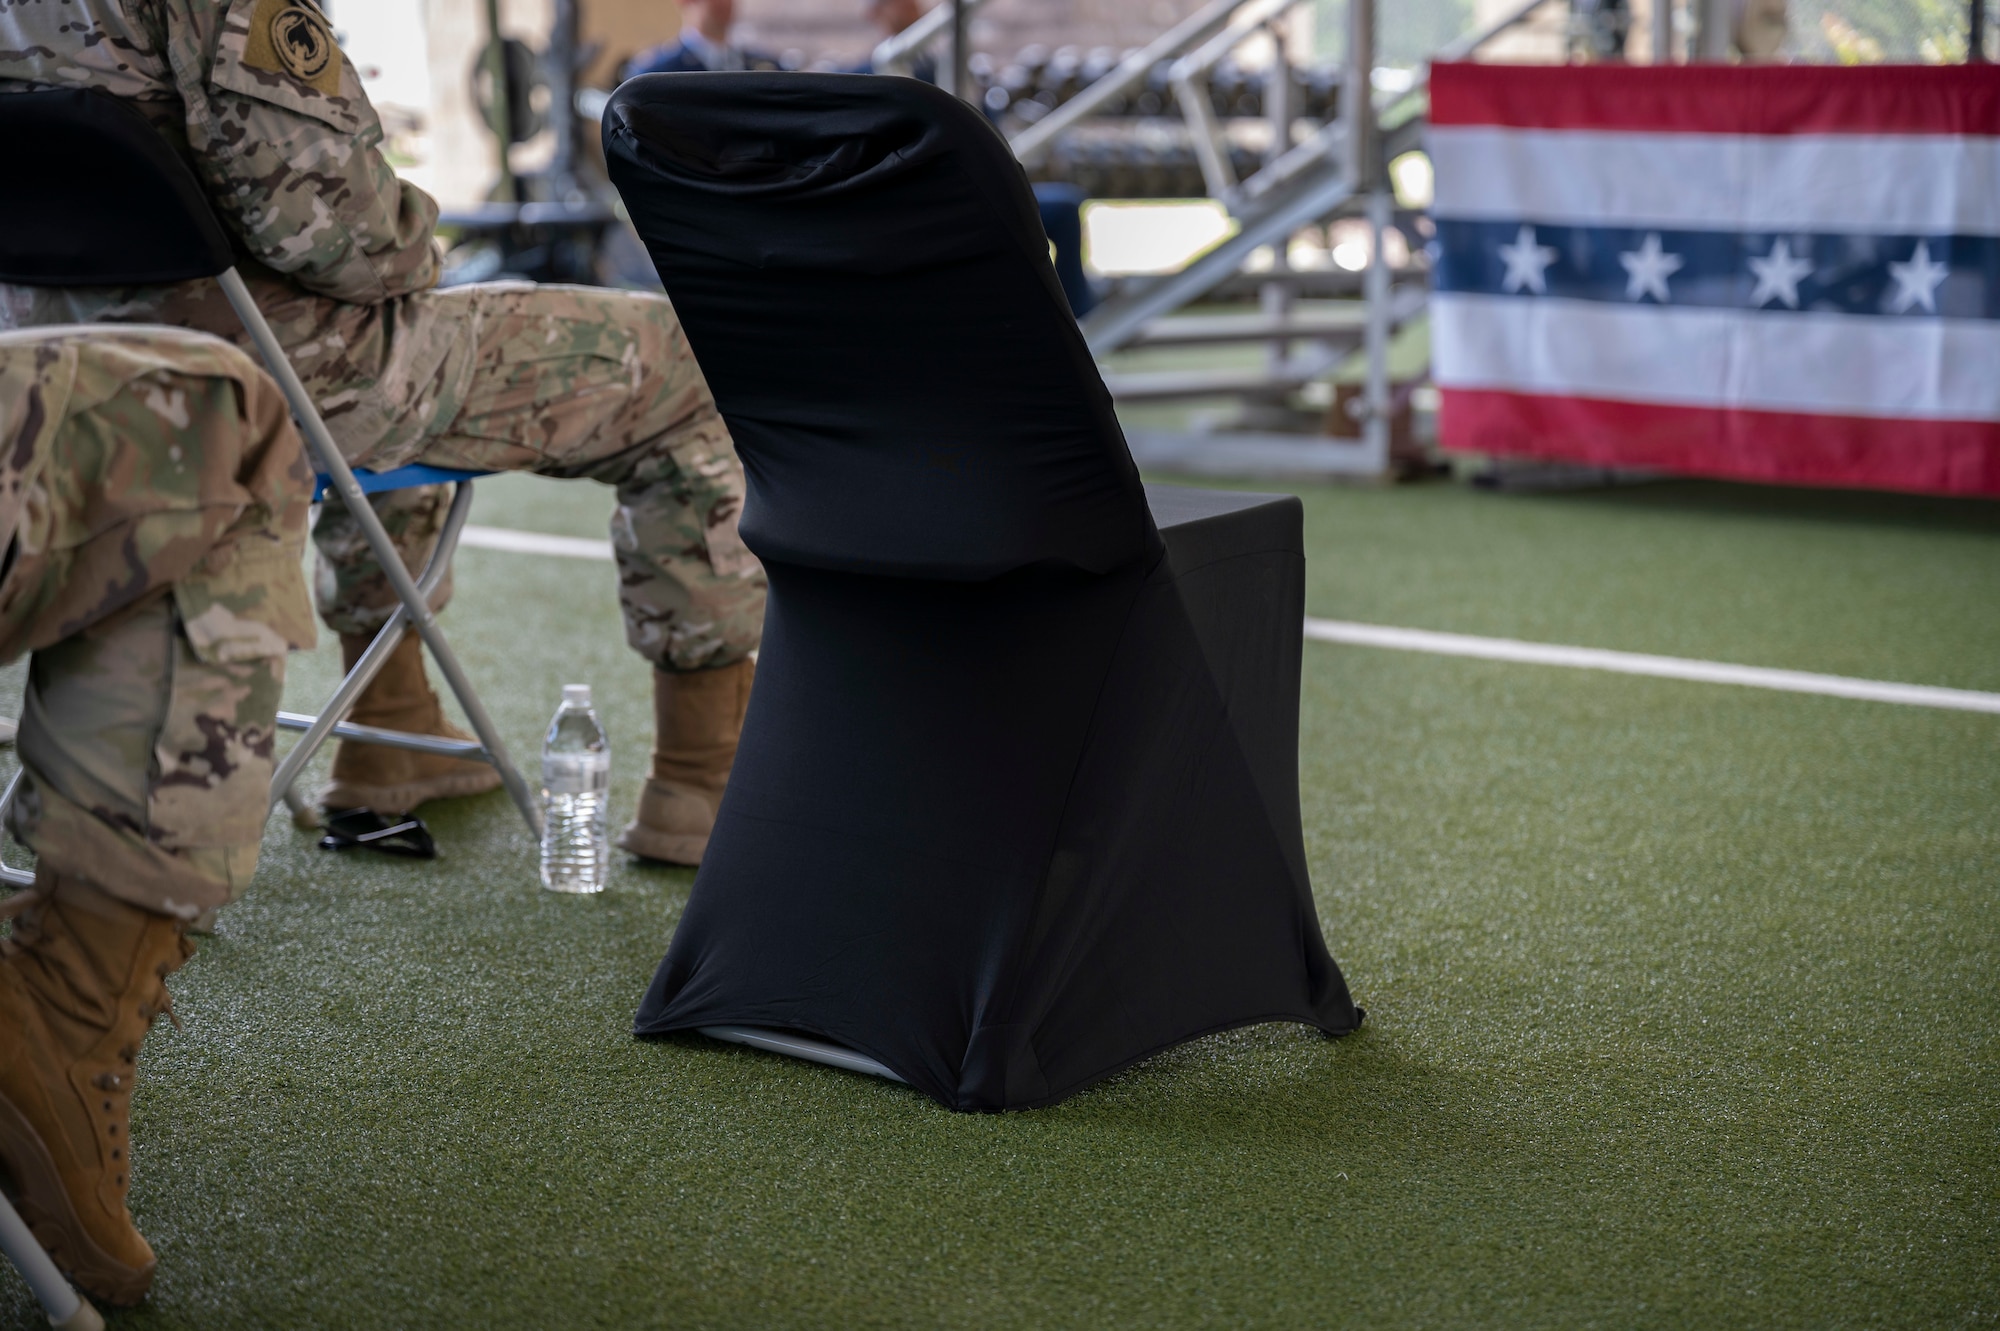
{"points": [[153, 501], [563, 381], [704, 45]]}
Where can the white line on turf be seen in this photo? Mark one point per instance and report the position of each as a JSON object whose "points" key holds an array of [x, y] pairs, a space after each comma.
{"points": [[1455, 644], [1636, 663], [534, 543]]}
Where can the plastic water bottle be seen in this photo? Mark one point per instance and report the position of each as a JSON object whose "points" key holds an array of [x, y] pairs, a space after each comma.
{"points": [[576, 783]]}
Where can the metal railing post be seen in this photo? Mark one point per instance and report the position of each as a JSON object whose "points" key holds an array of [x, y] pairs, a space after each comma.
{"points": [[1375, 291], [1367, 178], [958, 79], [499, 112], [1278, 295], [560, 64], [1711, 32], [1357, 94]]}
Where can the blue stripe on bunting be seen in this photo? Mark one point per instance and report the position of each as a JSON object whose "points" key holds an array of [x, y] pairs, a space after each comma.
{"points": [[1846, 274]]}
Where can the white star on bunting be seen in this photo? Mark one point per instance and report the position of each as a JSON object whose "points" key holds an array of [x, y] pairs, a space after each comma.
{"points": [[1648, 268], [1917, 281], [1778, 276], [1527, 263]]}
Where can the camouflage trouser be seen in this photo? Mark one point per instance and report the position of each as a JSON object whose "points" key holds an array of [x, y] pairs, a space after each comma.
{"points": [[509, 376], [569, 382], [154, 570]]}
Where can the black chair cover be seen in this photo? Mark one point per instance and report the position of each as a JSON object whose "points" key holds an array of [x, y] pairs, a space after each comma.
{"points": [[1017, 799]]}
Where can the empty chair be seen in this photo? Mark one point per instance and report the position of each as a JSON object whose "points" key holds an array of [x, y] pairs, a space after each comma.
{"points": [[1017, 797]]}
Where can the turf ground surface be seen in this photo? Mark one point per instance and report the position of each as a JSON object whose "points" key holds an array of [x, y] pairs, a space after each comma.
{"points": [[1682, 998]]}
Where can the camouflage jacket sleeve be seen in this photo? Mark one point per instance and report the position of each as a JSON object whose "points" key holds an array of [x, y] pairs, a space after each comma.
{"points": [[291, 149]]}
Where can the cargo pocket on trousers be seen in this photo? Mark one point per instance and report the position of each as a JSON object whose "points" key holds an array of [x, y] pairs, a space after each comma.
{"points": [[246, 601], [240, 610]]}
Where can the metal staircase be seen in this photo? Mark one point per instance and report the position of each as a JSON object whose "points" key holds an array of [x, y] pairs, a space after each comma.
{"points": [[1337, 170]]}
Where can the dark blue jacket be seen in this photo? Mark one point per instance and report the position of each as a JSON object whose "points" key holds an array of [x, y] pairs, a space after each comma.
{"points": [[923, 69], [677, 57]]}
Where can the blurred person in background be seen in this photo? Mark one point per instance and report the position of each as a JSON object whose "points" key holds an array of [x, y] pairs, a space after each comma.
{"points": [[892, 17], [1759, 29], [705, 44], [507, 376]]}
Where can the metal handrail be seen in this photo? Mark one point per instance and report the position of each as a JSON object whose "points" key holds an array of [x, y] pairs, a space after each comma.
{"points": [[1252, 16], [1032, 142], [1324, 142], [1207, 26], [1188, 77], [1461, 47], [898, 52]]}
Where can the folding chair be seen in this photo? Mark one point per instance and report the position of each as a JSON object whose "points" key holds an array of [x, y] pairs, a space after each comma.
{"points": [[103, 200], [332, 722]]}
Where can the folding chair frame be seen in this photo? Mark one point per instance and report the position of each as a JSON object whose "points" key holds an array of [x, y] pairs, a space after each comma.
{"points": [[65, 1307], [413, 611], [318, 729]]}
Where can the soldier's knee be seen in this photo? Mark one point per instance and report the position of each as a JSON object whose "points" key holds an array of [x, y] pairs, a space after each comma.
{"points": [[275, 465]]}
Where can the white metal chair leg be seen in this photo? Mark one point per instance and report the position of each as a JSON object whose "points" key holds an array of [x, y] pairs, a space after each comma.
{"points": [[66, 1308], [18, 877], [332, 718], [303, 814], [801, 1046]]}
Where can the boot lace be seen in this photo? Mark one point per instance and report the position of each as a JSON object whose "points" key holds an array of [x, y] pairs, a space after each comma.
{"points": [[162, 1003]]}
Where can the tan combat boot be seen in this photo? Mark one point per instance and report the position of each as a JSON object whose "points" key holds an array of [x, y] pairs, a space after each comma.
{"points": [[371, 776], [698, 717], [81, 981]]}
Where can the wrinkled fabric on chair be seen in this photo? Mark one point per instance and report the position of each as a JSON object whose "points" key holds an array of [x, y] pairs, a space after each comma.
{"points": [[1016, 803]]}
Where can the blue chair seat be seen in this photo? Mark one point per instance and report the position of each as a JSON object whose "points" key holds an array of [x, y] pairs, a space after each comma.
{"points": [[399, 478]]}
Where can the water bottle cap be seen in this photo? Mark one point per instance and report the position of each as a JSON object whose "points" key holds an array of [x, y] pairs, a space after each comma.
{"points": [[577, 693]]}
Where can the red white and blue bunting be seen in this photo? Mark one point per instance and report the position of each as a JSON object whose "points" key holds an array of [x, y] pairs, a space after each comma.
{"points": [[1770, 273]]}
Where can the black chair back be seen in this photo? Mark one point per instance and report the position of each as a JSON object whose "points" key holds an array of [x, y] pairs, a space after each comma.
{"points": [[96, 197], [863, 275]]}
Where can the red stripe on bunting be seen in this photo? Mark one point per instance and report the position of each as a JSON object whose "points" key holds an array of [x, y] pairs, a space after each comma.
{"points": [[1791, 448], [1722, 99]]}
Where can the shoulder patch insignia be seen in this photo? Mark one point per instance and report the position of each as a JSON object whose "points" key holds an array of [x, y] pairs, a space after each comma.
{"points": [[289, 37]]}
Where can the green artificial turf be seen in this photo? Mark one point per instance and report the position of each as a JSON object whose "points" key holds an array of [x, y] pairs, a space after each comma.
{"points": [[1681, 997]]}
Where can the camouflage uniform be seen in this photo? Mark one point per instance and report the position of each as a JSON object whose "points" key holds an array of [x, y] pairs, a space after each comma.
{"points": [[153, 502], [564, 381]]}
